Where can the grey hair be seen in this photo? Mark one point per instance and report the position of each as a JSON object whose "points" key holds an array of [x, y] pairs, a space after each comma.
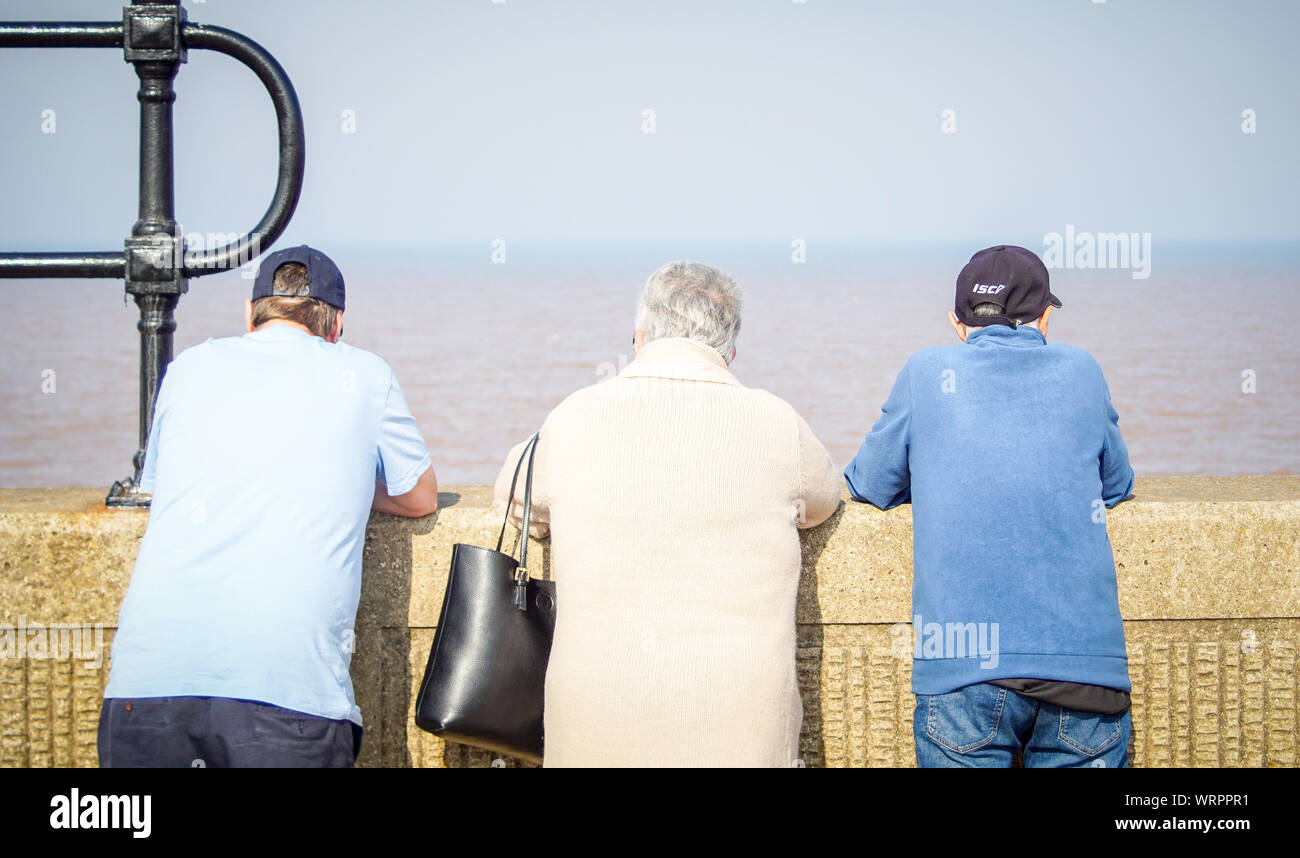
{"points": [[987, 308], [690, 299]]}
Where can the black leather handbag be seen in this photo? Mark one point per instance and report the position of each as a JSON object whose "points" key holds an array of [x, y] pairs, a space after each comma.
{"points": [[487, 668]]}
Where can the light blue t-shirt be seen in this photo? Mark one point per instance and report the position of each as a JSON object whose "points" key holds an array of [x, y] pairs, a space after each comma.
{"points": [[262, 461]]}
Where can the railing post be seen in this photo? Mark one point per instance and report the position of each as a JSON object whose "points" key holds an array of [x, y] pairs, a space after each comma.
{"points": [[154, 253]]}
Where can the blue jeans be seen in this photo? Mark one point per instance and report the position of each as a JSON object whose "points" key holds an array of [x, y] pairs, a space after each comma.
{"points": [[983, 726]]}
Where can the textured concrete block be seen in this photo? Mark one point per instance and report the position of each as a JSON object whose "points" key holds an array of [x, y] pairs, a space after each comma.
{"points": [[1208, 572]]}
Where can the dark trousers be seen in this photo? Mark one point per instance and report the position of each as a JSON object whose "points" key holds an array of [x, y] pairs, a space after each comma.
{"points": [[185, 732]]}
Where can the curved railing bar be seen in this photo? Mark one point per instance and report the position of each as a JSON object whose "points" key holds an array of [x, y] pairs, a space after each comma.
{"points": [[288, 186]]}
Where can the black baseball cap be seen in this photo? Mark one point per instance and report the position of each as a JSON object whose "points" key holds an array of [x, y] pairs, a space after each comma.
{"points": [[1011, 277], [324, 280]]}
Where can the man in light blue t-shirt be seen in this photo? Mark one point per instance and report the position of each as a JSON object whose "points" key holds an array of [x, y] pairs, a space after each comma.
{"points": [[266, 455]]}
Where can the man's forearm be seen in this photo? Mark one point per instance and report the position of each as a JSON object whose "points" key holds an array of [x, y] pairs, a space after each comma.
{"points": [[420, 501]]}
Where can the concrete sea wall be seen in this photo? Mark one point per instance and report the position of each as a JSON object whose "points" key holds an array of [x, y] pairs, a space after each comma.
{"points": [[1209, 581]]}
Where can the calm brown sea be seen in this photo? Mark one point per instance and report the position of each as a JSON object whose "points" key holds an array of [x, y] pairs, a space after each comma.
{"points": [[484, 350]]}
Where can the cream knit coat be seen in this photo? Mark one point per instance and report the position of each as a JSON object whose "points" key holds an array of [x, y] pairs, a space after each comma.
{"points": [[672, 496]]}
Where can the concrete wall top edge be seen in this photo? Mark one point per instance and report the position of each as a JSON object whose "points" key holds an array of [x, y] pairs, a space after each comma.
{"points": [[1175, 489]]}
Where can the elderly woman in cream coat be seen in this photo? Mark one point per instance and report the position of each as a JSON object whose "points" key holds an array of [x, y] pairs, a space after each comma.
{"points": [[672, 496]]}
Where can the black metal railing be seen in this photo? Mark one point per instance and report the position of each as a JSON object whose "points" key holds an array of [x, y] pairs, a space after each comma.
{"points": [[154, 261]]}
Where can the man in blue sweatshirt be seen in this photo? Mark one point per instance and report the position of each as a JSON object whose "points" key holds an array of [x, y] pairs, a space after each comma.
{"points": [[1009, 451]]}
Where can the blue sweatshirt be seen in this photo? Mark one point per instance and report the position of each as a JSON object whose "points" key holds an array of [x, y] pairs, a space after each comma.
{"points": [[1009, 451]]}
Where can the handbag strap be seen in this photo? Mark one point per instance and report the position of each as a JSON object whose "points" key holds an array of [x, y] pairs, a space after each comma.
{"points": [[528, 505], [514, 481], [521, 573], [529, 450]]}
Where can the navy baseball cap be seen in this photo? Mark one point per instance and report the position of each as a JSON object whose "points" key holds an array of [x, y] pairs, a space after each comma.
{"points": [[1013, 278], [324, 280]]}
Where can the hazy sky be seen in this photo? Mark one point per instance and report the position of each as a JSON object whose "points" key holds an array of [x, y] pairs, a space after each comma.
{"points": [[773, 120]]}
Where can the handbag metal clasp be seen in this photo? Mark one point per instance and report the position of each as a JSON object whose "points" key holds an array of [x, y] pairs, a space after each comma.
{"points": [[521, 589]]}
